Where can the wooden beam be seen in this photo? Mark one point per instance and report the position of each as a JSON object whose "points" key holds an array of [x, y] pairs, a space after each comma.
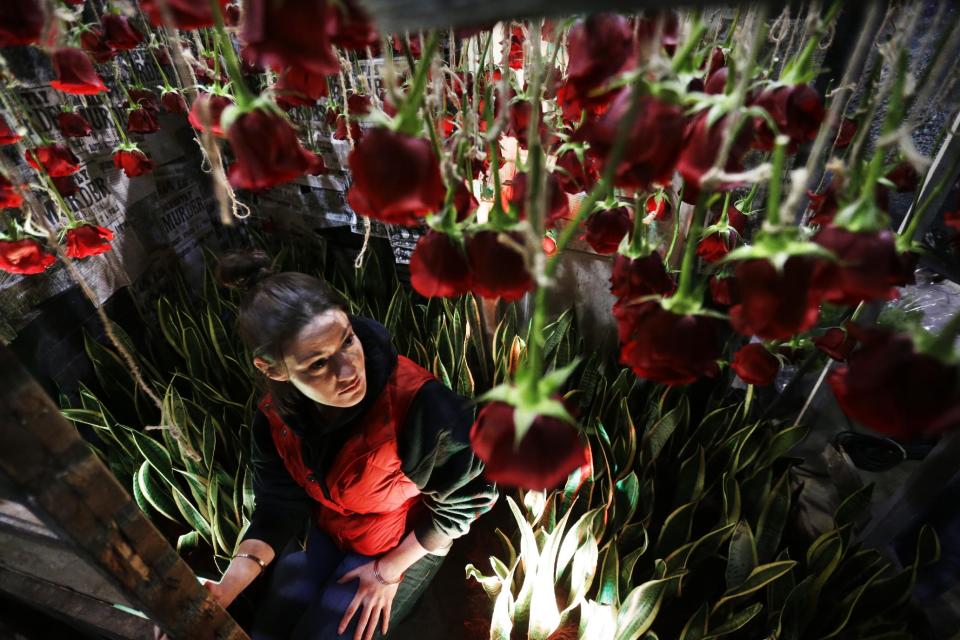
{"points": [[71, 490]]}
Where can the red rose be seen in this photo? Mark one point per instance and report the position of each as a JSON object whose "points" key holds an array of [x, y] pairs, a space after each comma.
{"points": [[723, 291], [515, 58], [438, 267], [796, 110], [340, 130], [57, 160], [887, 386], [718, 244], [717, 60], [576, 176], [659, 208], [144, 98], [557, 206], [702, 144], [498, 270], [634, 278], [775, 304], [73, 125], [88, 240], [868, 268], [669, 348], [549, 451], [207, 109], [836, 343], [396, 177], [463, 201], [298, 87], [21, 22], [845, 133], [755, 364], [518, 121], [359, 104], [664, 22], [415, 46], [653, 144], [292, 33], [10, 197], [173, 102], [186, 14], [605, 229], [824, 205], [8, 135], [66, 186], [549, 245], [598, 47], [904, 177], [267, 151], [119, 33], [141, 120], [133, 162], [952, 219], [350, 27], [75, 73], [24, 256], [93, 43], [716, 83]]}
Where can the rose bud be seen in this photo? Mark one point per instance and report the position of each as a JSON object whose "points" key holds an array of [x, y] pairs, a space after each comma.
{"points": [[904, 177], [576, 176], [119, 33], [557, 205], [868, 266], [173, 102], [755, 364], [438, 267], [658, 208], [723, 291], [653, 142], [66, 186], [889, 387], [75, 73], [775, 304], [73, 125], [515, 58], [144, 98], [716, 83], [25, 256], [350, 26], [341, 130], [701, 146], [359, 104], [57, 160], [134, 162], [10, 196], [605, 229], [463, 201], [845, 133], [670, 348], [518, 122], [141, 120], [293, 33], [718, 244], [598, 47], [399, 40], [91, 40], [498, 269], [823, 205], [267, 151], [186, 14], [8, 135], [298, 87], [836, 343], [396, 177], [88, 240], [797, 111], [21, 22], [207, 109], [548, 452], [549, 245]]}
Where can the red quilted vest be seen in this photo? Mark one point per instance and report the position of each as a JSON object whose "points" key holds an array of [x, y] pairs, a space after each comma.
{"points": [[372, 503]]}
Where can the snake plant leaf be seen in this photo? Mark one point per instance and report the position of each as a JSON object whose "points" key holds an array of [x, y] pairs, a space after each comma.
{"points": [[657, 435], [609, 588], [640, 609], [507, 546], [696, 627], [795, 616], [760, 577], [844, 611], [156, 455], [690, 479], [575, 538], [773, 519], [626, 497], [676, 530], [209, 441], [597, 621], [625, 444], [779, 590], [247, 491], [780, 445], [157, 495], [823, 557], [192, 516], [736, 622], [741, 555], [491, 584], [501, 622], [636, 550], [529, 559], [889, 593], [754, 491], [544, 613], [855, 508], [198, 489], [138, 493], [582, 571], [499, 568], [188, 541], [749, 448]]}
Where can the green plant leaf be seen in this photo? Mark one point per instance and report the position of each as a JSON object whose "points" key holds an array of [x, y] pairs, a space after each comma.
{"points": [[773, 519], [626, 496], [741, 556], [192, 516], [758, 578], [640, 609], [156, 455], [795, 616], [844, 610], [690, 480], [188, 541], [736, 622], [597, 620], [609, 592], [154, 493], [823, 557], [696, 627], [676, 530], [780, 444], [660, 431], [855, 508]]}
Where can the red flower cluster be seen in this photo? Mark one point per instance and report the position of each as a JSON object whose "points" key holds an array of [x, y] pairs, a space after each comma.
{"points": [[299, 87], [438, 267], [718, 244], [557, 206], [94, 44], [88, 240], [797, 111], [186, 14], [119, 33], [142, 120], [267, 151], [599, 47], [775, 304], [576, 176], [700, 147], [868, 267], [173, 102], [25, 256], [21, 22], [56, 159]]}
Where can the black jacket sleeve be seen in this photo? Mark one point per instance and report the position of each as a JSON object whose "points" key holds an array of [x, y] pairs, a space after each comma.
{"points": [[281, 506], [435, 453]]}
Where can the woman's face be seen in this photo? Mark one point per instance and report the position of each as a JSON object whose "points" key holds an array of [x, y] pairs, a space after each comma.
{"points": [[324, 361]]}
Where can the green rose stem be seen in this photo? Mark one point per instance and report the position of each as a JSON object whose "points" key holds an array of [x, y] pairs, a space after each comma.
{"points": [[535, 204], [772, 220], [116, 121], [243, 94], [407, 116], [52, 189], [167, 87], [685, 286]]}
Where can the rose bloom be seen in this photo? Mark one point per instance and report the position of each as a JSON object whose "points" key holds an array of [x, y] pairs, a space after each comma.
{"points": [[755, 364], [73, 125], [845, 133], [298, 87], [25, 256], [141, 120], [868, 267], [88, 240], [8, 135], [133, 162], [144, 98], [93, 43], [773, 304], [293, 33], [75, 73], [66, 186], [797, 110], [669, 348], [173, 102], [824, 205], [723, 290], [638, 277], [904, 177], [605, 229], [350, 27], [659, 208], [396, 177], [715, 246], [10, 196], [557, 205], [702, 144], [57, 160], [207, 108], [889, 387], [119, 33], [836, 343], [267, 151], [186, 14], [464, 202], [21, 22], [575, 176], [498, 270], [549, 452], [438, 267], [598, 47]]}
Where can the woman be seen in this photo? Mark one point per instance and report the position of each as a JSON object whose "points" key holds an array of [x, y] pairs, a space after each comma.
{"points": [[365, 441]]}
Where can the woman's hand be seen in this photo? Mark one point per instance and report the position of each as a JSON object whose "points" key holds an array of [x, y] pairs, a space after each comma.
{"points": [[375, 598]]}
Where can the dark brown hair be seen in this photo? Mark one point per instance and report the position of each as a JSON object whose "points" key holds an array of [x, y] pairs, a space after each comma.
{"points": [[274, 308]]}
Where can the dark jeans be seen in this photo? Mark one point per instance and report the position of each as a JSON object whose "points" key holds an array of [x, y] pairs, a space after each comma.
{"points": [[304, 601]]}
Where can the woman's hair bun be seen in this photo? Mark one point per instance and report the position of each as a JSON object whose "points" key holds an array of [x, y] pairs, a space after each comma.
{"points": [[243, 269]]}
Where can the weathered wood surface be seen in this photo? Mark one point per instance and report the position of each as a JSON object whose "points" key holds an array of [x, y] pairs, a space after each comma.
{"points": [[44, 457]]}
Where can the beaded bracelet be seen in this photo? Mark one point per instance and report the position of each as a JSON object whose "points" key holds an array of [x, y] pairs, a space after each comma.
{"points": [[376, 573]]}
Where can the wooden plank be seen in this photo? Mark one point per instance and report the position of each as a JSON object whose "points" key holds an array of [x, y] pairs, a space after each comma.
{"points": [[44, 458]]}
